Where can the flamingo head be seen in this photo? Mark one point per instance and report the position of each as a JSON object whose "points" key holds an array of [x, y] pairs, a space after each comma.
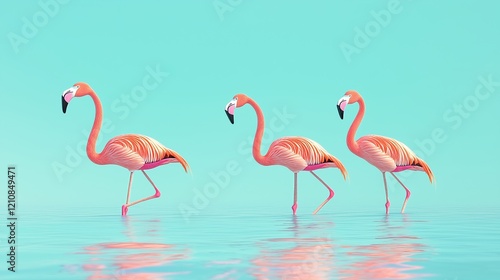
{"points": [[237, 101], [77, 90], [349, 97]]}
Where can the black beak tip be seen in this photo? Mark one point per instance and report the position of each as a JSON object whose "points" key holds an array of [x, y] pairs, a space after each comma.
{"points": [[230, 116], [64, 105], [341, 112]]}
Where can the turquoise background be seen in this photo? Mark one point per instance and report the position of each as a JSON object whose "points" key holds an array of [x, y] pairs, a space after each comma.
{"points": [[283, 54]]}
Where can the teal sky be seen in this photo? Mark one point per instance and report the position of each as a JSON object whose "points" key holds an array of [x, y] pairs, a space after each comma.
{"points": [[414, 72]]}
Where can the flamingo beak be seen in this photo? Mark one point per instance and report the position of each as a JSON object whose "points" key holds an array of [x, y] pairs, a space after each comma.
{"points": [[341, 112], [230, 110], [67, 96], [342, 104], [64, 105]]}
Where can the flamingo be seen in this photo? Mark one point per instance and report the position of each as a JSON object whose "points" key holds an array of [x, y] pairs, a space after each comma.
{"points": [[386, 154], [295, 153], [131, 151]]}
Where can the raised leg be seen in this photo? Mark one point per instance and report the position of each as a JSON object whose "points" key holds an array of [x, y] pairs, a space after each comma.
{"points": [[124, 206], [408, 193], [294, 206], [156, 195], [329, 196], [388, 203]]}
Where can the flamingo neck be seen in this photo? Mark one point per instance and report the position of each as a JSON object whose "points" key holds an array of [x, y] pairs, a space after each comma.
{"points": [[258, 134], [96, 127], [351, 141]]}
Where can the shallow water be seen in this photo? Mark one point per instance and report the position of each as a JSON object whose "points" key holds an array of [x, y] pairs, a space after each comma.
{"points": [[100, 244]]}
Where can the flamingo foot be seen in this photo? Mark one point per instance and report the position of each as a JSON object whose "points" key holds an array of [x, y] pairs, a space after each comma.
{"points": [[157, 193], [387, 205], [124, 210], [408, 194], [294, 208], [331, 194]]}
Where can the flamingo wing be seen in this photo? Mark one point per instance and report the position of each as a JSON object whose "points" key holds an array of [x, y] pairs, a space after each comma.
{"points": [[309, 151], [284, 156], [387, 154], [115, 153], [127, 150]]}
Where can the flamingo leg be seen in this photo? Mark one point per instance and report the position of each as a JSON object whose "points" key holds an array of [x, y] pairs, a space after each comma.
{"points": [[408, 193], [156, 195], [387, 204], [329, 196], [124, 206], [294, 206]]}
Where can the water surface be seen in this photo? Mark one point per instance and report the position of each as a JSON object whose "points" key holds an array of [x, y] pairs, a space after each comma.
{"points": [[100, 244]]}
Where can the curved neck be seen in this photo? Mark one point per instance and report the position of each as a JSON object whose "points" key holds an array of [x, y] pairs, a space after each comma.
{"points": [[258, 134], [96, 127], [351, 141]]}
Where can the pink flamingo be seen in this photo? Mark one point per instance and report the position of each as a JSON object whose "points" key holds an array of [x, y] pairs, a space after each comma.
{"points": [[388, 155], [295, 153], [131, 151]]}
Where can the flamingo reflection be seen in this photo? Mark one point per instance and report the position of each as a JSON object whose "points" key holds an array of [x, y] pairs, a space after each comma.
{"points": [[133, 259], [392, 258], [303, 257]]}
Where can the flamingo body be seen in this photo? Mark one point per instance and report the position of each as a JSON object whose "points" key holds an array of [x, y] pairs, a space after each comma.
{"points": [[301, 154], [390, 155], [138, 152]]}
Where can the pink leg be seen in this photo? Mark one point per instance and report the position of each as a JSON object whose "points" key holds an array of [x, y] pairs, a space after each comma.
{"points": [[387, 204], [329, 196], [124, 206], [294, 206], [408, 193], [156, 195]]}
